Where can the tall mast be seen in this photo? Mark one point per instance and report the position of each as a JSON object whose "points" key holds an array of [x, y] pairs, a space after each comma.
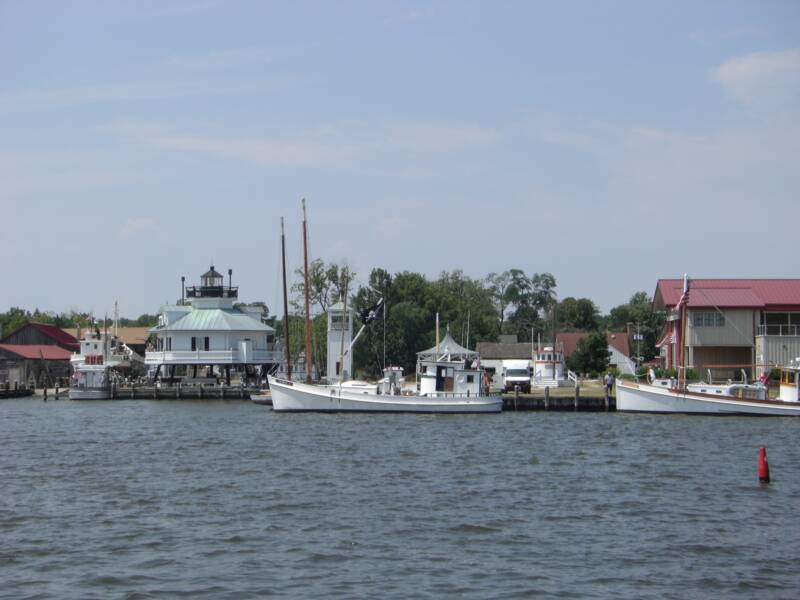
{"points": [[437, 336], [345, 325], [308, 308], [684, 302], [285, 307]]}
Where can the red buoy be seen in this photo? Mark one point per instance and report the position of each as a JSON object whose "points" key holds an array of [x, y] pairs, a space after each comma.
{"points": [[763, 466]]}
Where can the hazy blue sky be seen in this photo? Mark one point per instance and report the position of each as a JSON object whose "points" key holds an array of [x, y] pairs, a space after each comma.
{"points": [[610, 143]]}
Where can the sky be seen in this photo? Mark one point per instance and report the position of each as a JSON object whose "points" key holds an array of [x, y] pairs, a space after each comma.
{"points": [[608, 143]]}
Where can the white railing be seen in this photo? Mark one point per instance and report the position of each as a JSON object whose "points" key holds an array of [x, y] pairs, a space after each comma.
{"points": [[205, 357], [779, 330], [572, 376]]}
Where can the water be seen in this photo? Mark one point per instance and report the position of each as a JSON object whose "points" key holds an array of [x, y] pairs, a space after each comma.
{"points": [[138, 499]]}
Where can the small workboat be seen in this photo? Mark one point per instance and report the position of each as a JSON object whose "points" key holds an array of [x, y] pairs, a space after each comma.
{"points": [[670, 396]]}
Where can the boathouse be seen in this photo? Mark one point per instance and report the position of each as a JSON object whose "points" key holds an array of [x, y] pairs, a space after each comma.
{"points": [[208, 335], [36, 354], [730, 325]]}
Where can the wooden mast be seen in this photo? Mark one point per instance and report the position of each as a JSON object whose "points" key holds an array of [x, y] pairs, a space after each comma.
{"points": [[309, 356], [684, 302], [285, 307], [345, 327]]}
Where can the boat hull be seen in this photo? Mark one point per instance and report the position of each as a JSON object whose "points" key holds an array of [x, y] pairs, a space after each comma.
{"points": [[643, 398], [299, 397], [89, 394]]}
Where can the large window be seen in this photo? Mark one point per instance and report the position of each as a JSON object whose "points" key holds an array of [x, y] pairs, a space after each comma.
{"points": [[708, 319]]}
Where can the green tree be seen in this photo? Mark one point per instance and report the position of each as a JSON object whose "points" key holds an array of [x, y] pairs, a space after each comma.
{"points": [[577, 315], [498, 286], [325, 284], [638, 310], [591, 354]]}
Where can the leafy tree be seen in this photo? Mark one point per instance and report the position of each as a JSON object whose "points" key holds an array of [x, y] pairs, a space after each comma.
{"points": [[591, 354], [498, 286], [577, 315], [638, 310], [325, 284]]}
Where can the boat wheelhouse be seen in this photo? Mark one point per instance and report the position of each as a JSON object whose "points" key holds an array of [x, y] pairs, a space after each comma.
{"points": [[447, 368], [548, 367], [208, 334]]}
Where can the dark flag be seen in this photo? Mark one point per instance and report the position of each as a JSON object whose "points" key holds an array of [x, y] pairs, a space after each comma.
{"points": [[373, 313]]}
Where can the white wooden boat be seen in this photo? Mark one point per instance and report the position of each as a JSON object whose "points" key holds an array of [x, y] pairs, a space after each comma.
{"points": [[664, 396], [288, 396]]}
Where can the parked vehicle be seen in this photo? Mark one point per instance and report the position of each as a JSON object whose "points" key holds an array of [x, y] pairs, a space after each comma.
{"points": [[516, 373]]}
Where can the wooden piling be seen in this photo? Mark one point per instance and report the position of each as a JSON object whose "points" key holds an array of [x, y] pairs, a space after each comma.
{"points": [[547, 397], [577, 395], [516, 397]]}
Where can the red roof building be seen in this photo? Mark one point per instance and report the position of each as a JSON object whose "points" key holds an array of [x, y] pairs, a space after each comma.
{"points": [[41, 334], [36, 354], [725, 326]]}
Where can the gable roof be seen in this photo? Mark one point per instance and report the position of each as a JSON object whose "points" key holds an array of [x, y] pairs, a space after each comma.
{"points": [[56, 334], [128, 335], [504, 350], [568, 341], [215, 319], [729, 293], [37, 351]]}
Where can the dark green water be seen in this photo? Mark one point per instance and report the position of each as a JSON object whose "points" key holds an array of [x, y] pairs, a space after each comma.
{"points": [[139, 499]]}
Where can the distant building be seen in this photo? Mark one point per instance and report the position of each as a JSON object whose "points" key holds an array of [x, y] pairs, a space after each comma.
{"points": [[133, 337], [36, 354], [41, 333], [494, 353], [619, 348], [207, 333], [730, 325]]}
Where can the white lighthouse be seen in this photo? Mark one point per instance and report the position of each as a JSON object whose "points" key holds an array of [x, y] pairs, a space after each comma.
{"points": [[340, 334]]}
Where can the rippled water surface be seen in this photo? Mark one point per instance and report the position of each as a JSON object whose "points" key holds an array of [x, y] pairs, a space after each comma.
{"points": [[230, 500]]}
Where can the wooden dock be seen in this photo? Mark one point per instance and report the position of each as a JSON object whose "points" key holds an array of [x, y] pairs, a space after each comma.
{"points": [[178, 392], [563, 399], [15, 392]]}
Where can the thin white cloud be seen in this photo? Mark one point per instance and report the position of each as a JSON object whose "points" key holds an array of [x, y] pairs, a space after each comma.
{"points": [[439, 137], [220, 59], [409, 16], [140, 227], [297, 152], [771, 78], [325, 147], [117, 92]]}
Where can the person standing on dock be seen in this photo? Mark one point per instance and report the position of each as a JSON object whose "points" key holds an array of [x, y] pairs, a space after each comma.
{"points": [[608, 380]]}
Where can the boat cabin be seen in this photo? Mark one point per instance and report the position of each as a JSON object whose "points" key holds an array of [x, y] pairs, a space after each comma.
{"points": [[789, 390], [446, 369], [548, 363]]}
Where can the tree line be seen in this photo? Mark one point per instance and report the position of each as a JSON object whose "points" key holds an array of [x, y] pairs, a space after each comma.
{"points": [[16, 317], [472, 309]]}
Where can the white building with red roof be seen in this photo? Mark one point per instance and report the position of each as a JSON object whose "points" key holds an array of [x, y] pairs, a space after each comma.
{"points": [[730, 324]]}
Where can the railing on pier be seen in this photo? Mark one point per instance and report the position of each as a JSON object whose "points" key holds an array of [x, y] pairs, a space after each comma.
{"points": [[204, 357]]}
